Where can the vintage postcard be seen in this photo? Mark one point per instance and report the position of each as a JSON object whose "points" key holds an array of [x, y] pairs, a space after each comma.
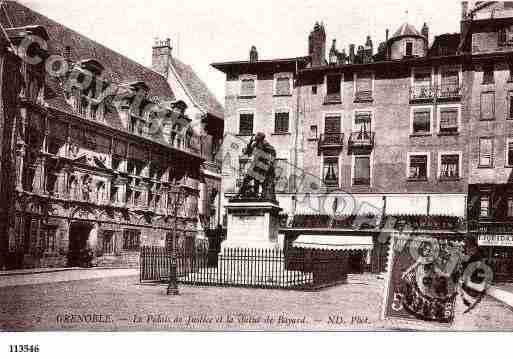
{"points": [[261, 166]]}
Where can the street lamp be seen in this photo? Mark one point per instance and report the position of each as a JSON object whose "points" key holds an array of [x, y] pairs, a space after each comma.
{"points": [[179, 196]]}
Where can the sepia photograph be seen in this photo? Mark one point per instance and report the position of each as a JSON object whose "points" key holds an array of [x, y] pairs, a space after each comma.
{"points": [[291, 166]]}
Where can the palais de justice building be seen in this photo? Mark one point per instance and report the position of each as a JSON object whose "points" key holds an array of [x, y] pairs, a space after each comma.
{"points": [[82, 168]]}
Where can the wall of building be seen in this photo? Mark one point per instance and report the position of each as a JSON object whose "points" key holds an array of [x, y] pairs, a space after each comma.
{"points": [[391, 110], [500, 129], [263, 105]]}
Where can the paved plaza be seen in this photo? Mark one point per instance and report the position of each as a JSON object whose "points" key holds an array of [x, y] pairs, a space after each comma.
{"points": [[115, 300]]}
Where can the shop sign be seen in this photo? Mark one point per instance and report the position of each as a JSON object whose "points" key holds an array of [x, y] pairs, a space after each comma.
{"points": [[495, 240]]}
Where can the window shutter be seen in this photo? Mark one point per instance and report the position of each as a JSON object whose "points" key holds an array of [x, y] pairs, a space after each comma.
{"points": [[510, 153], [247, 87], [333, 84], [485, 152], [364, 83], [487, 105], [510, 109], [421, 121], [362, 170], [448, 119], [283, 86], [281, 122], [332, 124], [246, 124]]}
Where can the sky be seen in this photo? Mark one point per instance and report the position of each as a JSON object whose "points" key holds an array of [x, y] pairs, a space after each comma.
{"points": [[203, 32]]}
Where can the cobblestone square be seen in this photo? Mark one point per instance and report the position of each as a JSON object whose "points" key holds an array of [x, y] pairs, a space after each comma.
{"points": [[121, 303]]}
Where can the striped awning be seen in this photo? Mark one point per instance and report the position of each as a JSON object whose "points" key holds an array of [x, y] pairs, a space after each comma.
{"points": [[333, 242]]}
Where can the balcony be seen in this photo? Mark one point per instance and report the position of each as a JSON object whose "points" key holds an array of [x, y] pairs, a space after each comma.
{"points": [[363, 140], [331, 182], [422, 93], [429, 93], [332, 98], [449, 92], [331, 141], [363, 96]]}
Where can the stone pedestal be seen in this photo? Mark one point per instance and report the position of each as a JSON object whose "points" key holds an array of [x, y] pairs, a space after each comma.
{"points": [[252, 224]]}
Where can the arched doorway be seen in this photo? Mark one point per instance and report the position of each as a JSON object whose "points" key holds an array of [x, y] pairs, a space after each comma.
{"points": [[78, 236]]}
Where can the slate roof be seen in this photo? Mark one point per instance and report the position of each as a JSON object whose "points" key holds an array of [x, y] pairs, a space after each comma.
{"points": [[445, 45], [198, 89], [406, 30], [121, 68]]}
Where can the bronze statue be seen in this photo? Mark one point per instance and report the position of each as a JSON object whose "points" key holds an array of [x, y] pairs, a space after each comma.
{"points": [[258, 180]]}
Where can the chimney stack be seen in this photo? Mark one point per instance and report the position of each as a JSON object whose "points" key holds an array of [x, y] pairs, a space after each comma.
{"points": [[351, 54], [464, 10], [333, 56], [253, 54], [425, 32], [317, 45], [161, 56]]}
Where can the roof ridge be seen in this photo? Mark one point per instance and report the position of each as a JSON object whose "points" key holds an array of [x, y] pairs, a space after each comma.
{"points": [[67, 28]]}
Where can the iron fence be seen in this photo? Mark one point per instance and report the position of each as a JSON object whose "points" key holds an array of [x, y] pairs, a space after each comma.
{"points": [[298, 268]]}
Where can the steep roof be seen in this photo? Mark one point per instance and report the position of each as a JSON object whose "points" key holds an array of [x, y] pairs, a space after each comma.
{"points": [[198, 89], [119, 68], [445, 44], [406, 30]]}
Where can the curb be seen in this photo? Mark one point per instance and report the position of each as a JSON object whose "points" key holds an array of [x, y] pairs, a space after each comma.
{"points": [[37, 271], [56, 270]]}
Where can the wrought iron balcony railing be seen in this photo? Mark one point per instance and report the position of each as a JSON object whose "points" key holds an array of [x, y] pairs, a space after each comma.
{"points": [[361, 139], [449, 91], [363, 96], [429, 93], [422, 93], [331, 182], [331, 139], [331, 98]]}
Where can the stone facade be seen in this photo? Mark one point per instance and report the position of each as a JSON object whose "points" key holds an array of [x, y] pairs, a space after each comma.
{"points": [[383, 90], [93, 169]]}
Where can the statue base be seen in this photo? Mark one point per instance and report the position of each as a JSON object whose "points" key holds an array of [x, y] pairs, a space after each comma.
{"points": [[252, 224]]}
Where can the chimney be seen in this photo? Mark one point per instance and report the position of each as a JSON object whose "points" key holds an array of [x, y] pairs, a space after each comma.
{"points": [[425, 32], [360, 54], [351, 54], [386, 43], [317, 45], [161, 56], [464, 10], [369, 50], [333, 56], [253, 54]]}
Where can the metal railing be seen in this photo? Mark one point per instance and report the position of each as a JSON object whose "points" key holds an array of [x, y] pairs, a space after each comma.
{"points": [[430, 93], [361, 139], [332, 98], [331, 139], [297, 268]]}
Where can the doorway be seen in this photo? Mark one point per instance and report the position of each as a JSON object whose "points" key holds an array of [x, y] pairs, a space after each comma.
{"points": [[78, 255]]}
